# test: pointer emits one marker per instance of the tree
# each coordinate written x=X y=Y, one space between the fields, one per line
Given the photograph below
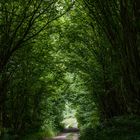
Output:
x=122 y=34
x=21 y=22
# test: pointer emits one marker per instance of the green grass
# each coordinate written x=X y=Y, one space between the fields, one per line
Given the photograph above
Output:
x=39 y=135
x=31 y=136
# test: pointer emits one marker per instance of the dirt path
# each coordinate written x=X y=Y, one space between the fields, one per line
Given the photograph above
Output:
x=73 y=136
x=65 y=136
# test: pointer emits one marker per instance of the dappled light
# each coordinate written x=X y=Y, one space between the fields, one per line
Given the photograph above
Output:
x=69 y=115
x=69 y=69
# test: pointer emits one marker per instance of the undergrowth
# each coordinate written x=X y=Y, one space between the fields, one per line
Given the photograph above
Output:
x=118 y=128
x=34 y=135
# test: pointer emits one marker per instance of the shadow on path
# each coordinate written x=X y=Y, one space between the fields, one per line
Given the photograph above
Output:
x=67 y=134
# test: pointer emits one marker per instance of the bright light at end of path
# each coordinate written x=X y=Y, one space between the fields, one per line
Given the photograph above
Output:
x=70 y=120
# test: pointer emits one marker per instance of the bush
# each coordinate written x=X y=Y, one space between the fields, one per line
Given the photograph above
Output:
x=119 y=128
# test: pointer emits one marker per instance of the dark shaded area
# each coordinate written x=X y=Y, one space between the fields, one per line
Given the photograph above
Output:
x=86 y=52
x=71 y=130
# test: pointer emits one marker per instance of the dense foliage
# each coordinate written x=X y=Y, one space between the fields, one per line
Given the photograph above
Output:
x=85 y=53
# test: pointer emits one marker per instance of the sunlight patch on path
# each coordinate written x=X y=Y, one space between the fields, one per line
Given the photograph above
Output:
x=72 y=136
x=61 y=137
x=65 y=136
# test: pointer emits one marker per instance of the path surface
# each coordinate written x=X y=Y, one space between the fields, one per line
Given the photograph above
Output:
x=67 y=135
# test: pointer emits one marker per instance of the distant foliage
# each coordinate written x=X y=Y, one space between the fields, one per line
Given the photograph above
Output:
x=54 y=52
